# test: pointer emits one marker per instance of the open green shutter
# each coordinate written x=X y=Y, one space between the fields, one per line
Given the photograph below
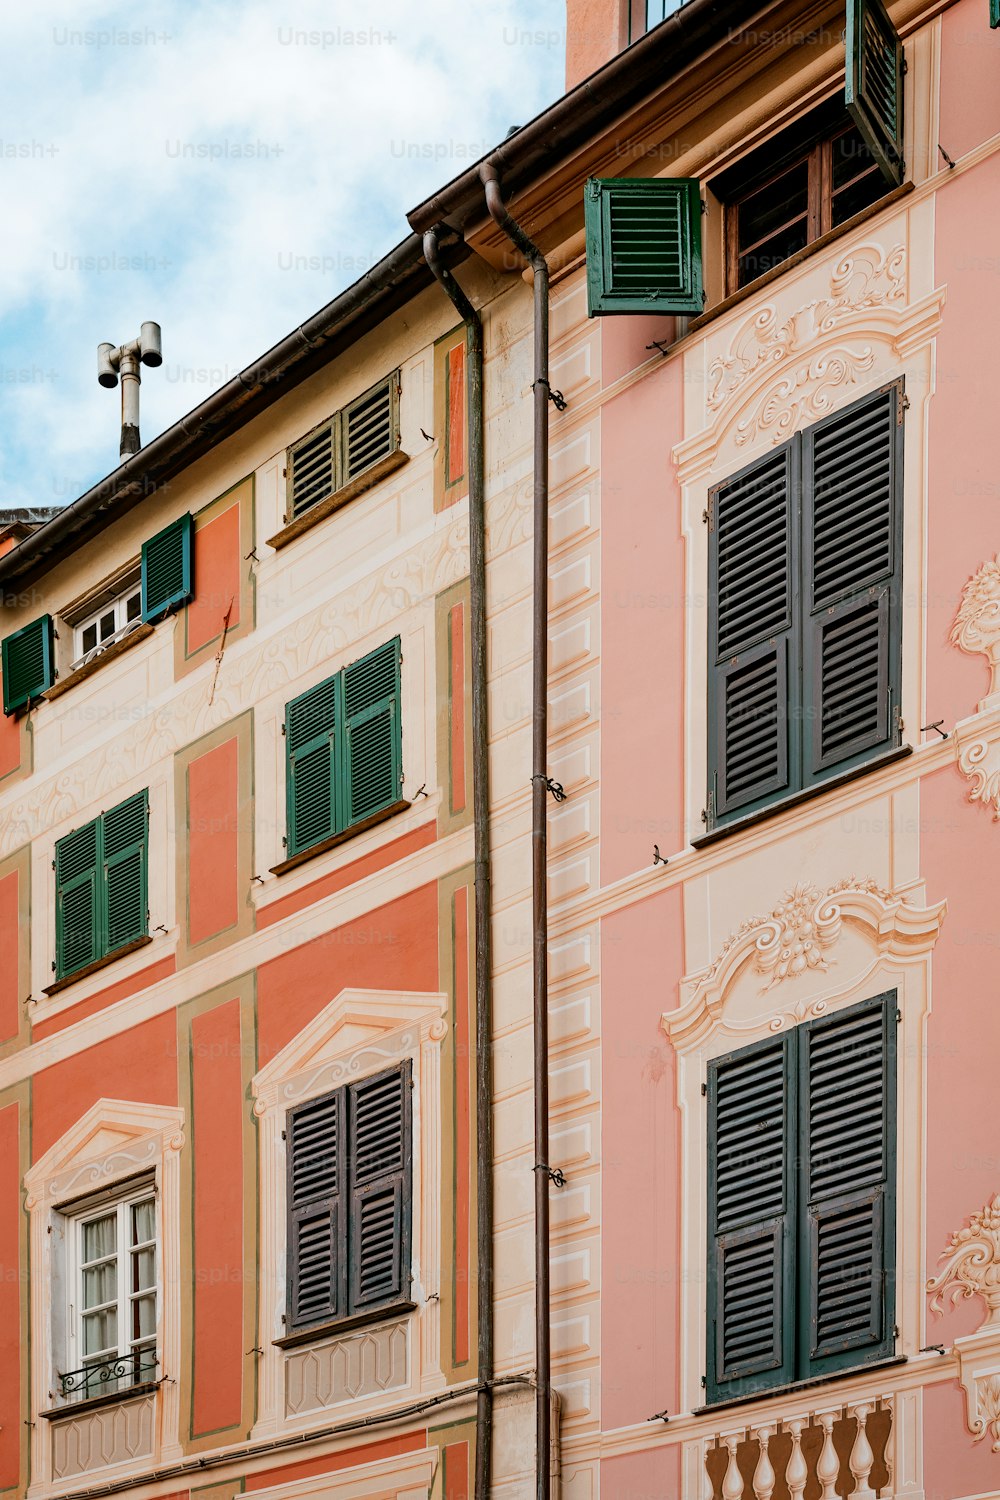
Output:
x=874 y=94
x=852 y=475
x=317 y=1237
x=995 y=12
x=847 y=1215
x=370 y=427
x=27 y=663
x=78 y=935
x=380 y=1167
x=167 y=568
x=753 y=650
x=373 y=749
x=310 y=748
x=123 y=887
x=643 y=245
x=314 y=469
x=751 y=1154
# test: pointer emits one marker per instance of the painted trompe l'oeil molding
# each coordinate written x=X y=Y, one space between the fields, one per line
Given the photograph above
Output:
x=971 y=1268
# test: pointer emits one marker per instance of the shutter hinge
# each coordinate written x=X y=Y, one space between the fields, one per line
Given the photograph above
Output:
x=906 y=65
x=704 y=1381
x=708 y=514
x=53 y=864
x=899 y=1015
x=902 y=404
x=284 y=1135
x=283 y=730
x=704 y=1089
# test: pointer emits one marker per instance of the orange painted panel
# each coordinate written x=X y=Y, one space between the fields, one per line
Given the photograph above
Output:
x=10 y=1298
x=217 y=1096
x=339 y=880
x=463 y=1127
x=115 y=992
x=456 y=627
x=139 y=1064
x=10 y=941
x=216 y=578
x=10 y=744
x=394 y=947
x=456 y=1466
x=333 y=1463
x=213 y=821
x=456 y=414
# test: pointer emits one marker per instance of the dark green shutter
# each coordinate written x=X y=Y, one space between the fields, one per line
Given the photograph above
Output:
x=751 y=1156
x=310 y=751
x=380 y=1168
x=27 y=663
x=314 y=468
x=852 y=466
x=124 y=883
x=995 y=12
x=753 y=650
x=370 y=427
x=847 y=1217
x=317 y=1236
x=78 y=930
x=874 y=94
x=167 y=568
x=373 y=761
x=643 y=245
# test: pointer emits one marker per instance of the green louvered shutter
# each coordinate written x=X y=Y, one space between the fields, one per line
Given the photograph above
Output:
x=373 y=758
x=751 y=1200
x=78 y=934
x=852 y=477
x=27 y=663
x=124 y=872
x=874 y=94
x=314 y=470
x=995 y=12
x=167 y=574
x=643 y=245
x=317 y=1231
x=370 y=427
x=380 y=1168
x=847 y=1087
x=753 y=646
x=310 y=752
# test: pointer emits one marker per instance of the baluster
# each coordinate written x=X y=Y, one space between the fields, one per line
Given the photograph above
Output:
x=828 y=1467
x=764 y=1477
x=797 y=1473
x=862 y=1458
x=732 y=1485
x=887 y=1403
x=706 y=1451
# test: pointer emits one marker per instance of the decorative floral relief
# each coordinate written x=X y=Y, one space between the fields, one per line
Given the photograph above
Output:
x=977 y=623
x=988 y=1417
x=972 y=1264
x=781 y=411
x=792 y=938
x=980 y=762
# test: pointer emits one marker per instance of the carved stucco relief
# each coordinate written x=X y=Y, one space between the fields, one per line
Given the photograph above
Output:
x=976 y=629
x=971 y=1268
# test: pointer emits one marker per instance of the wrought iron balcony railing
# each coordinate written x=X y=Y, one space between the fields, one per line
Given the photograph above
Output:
x=108 y=1377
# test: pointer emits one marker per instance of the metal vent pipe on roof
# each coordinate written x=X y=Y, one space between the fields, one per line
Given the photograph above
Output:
x=112 y=362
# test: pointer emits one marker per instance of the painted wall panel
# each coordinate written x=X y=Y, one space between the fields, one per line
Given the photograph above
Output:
x=970 y=99
x=642 y=1476
x=333 y=1463
x=217 y=579
x=960 y=1466
x=10 y=999
x=338 y=880
x=49 y=1025
x=10 y=745
x=11 y=1331
x=213 y=828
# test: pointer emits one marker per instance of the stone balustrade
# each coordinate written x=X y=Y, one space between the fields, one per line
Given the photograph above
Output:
x=836 y=1450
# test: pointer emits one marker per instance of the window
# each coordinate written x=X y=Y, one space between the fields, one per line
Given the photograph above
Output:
x=347 y=451
x=110 y=621
x=101 y=883
x=801 y=1184
x=27 y=664
x=344 y=750
x=349 y=1178
x=113 y=1296
x=804 y=610
x=167 y=568
x=645 y=14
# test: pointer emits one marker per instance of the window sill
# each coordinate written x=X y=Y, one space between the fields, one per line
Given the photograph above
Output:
x=356 y=486
x=99 y=963
x=63 y=684
x=856 y=1372
x=342 y=1325
x=93 y=1403
x=335 y=839
x=816 y=246
x=727 y=830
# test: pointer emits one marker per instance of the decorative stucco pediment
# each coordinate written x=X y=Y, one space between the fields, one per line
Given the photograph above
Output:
x=114 y=1137
x=791 y=949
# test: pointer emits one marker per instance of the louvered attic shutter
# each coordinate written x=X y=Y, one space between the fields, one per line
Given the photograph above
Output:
x=380 y=1168
x=847 y=1236
x=78 y=938
x=643 y=245
x=167 y=568
x=310 y=751
x=27 y=663
x=314 y=468
x=373 y=768
x=852 y=475
x=751 y=1136
x=874 y=94
x=371 y=427
x=317 y=1236
x=124 y=883
x=753 y=652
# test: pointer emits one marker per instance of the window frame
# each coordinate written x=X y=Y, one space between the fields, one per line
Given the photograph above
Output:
x=124 y=625
x=101 y=905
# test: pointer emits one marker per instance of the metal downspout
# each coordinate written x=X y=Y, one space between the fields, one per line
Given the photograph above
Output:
x=481 y=811
x=539 y=791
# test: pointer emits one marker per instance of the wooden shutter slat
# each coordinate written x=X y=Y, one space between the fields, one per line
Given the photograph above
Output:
x=167 y=568
x=124 y=872
x=310 y=750
x=373 y=760
x=317 y=1251
x=371 y=427
x=313 y=466
x=26 y=663
x=380 y=1163
x=643 y=245
x=874 y=86
x=78 y=941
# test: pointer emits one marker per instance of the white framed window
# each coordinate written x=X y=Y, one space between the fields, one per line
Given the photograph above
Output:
x=117 y=616
x=114 y=1292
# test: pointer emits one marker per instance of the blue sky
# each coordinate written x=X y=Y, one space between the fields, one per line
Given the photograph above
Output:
x=223 y=169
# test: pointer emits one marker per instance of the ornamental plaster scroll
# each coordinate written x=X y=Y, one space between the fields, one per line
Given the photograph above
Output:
x=798 y=938
x=976 y=628
x=977 y=755
x=971 y=1268
x=116 y=1138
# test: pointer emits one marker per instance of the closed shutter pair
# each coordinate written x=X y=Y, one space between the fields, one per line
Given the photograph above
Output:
x=101 y=886
x=801 y=1184
x=644 y=234
x=349 y=1173
x=345 y=447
